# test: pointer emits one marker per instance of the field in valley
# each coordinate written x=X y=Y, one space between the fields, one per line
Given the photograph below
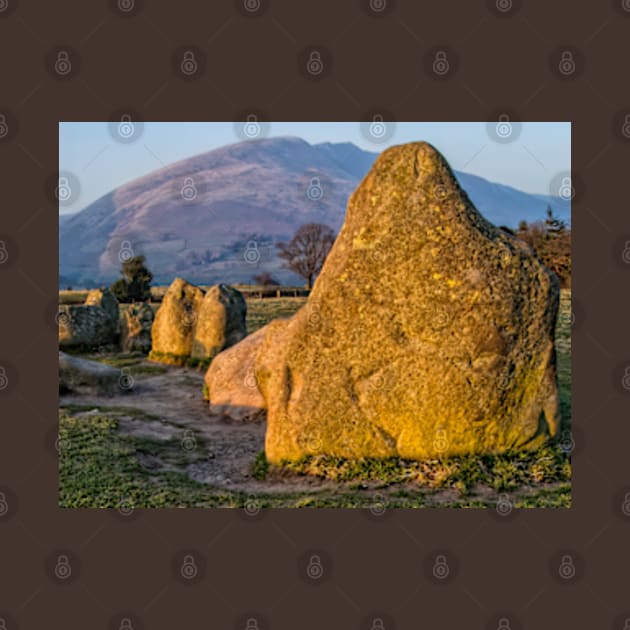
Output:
x=157 y=446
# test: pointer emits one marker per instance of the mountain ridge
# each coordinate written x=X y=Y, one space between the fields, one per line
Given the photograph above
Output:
x=198 y=216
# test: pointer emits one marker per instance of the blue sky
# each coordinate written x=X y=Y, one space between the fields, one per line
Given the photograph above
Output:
x=89 y=152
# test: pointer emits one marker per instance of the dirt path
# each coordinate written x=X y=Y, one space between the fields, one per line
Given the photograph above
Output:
x=169 y=407
x=166 y=412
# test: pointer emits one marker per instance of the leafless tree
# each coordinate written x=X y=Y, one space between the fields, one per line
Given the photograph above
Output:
x=306 y=252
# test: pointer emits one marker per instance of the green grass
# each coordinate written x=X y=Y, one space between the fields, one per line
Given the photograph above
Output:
x=261 y=311
x=102 y=467
x=99 y=467
x=550 y=464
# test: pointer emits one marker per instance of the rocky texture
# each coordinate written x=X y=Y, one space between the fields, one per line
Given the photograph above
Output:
x=88 y=377
x=89 y=325
x=106 y=300
x=85 y=327
x=220 y=322
x=135 y=328
x=429 y=331
x=174 y=326
x=230 y=381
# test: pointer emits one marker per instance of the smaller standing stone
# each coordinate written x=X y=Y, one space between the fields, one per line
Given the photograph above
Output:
x=175 y=322
x=135 y=328
x=105 y=299
x=221 y=322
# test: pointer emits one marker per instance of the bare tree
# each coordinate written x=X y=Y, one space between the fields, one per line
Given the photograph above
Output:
x=306 y=252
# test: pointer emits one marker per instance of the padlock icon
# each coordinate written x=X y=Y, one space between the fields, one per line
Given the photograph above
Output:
x=566 y=569
x=63 y=192
x=4 y=504
x=504 y=5
x=377 y=127
x=440 y=63
x=126 y=5
x=625 y=255
x=252 y=255
x=63 y=570
x=566 y=189
x=4 y=254
x=126 y=251
x=315 y=191
x=626 y=623
x=378 y=624
x=252 y=126
x=625 y=506
x=189 y=191
x=567 y=63
x=126 y=128
x=189 y=568
x=441 y=570
x=315 y=569
x=252 y=506
x=251 y=5
x=379 y=506
x=189 y=443
x=625 y=381
x=189 y=64
x=3 y=621
x=441 y=442
x=63 y=65
x=625 y=128
x=4 y=127
x=315 y=65
x=567 y=444
x=125 y=507
x=504 y=505
x=504 y=624
x=252 y=624
x=125 y=624
x=378 y=5
x=504 y=127
x=125 y=380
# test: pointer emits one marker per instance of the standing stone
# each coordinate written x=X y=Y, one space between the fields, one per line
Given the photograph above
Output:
x=135 y=328
x=429 y=332
x=174 y=326
x=106 y=300
x=221 y=322
x=92 y=324
x=85 y=327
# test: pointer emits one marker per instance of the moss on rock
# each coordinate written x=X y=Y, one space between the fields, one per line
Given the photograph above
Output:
x=428 y=333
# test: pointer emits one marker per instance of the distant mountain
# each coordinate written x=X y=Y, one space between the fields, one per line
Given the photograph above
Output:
x=217 y=216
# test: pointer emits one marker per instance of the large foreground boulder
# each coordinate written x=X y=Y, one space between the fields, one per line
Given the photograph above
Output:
x=230 y=381
x=82 y=376
x=220 y=322
x=429 y=331
x=135 y=328
x=174 y=326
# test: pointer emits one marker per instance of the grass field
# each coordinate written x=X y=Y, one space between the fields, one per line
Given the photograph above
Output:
x=103 y=466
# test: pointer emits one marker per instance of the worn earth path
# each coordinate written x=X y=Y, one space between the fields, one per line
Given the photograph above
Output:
x=166 y=407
